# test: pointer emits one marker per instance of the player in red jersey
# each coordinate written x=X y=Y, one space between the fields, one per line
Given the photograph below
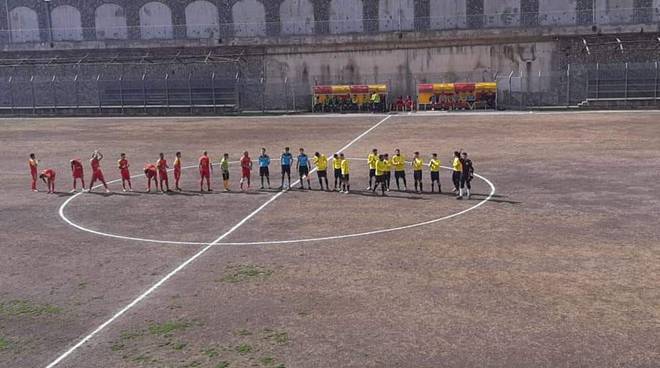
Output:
x=48 y=176
x=161 y=164
x=151 y=173
x=33 y=163
x=177 y=171
x=246 y=167
x=97 y=173
x=77 y=173
x=205 y=170
x=123 y=166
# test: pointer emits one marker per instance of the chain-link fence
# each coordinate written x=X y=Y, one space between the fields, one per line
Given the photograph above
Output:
x=217 y=89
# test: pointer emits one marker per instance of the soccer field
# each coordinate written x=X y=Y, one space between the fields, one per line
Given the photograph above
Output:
x=553 y=262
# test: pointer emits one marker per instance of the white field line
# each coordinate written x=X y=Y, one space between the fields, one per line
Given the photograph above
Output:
x=187 y=262
x=302 y=240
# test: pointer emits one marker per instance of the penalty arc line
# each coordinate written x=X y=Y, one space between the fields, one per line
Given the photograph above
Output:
x=188 y=261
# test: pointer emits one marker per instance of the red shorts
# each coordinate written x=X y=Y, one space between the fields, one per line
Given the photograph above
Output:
x=246 y=172
x=125 y=175
x=162 y=175
x=204 y=173
x=98 y=175
x=77 y=174
x=177 y=173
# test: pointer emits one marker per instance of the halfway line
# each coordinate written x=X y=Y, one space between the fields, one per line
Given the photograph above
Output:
x=188 y=261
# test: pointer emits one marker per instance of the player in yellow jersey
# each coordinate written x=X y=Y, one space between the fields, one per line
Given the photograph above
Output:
x=336 y=165
x=321 y=163
x=345 y=170
x=371 y=160
x=388 y=171
x=380 y=175
x=434 y=165
x=399 y=164
x=457 y=167
x=417 y=165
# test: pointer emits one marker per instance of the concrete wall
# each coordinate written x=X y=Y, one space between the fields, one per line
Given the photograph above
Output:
x=89 y=20
x=447 y=14
x=110 y=20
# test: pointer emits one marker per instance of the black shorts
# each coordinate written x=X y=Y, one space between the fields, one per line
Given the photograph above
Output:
x=322 y=173
x=417 y=174
x=263 y=171
x=435 y=176
x=372 y=173
x=380 y=179
x=338 y=173
x=286 y=169
x=225 y=175
x=344 y=177
x=388 y=175
x=400 y=174
x=303 y=170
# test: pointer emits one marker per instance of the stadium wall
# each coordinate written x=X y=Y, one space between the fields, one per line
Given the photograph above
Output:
x=293 y=44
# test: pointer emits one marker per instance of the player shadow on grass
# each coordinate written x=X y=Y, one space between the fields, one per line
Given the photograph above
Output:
x=495 y=198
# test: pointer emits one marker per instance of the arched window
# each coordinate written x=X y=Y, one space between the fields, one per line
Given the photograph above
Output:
x=155 y=21
x=297 y=17
x=202 y=20
x=395 y=15
x=110 y=21
x=24 y=25
x=249 y=18
x=66 y=23
x=346 y=16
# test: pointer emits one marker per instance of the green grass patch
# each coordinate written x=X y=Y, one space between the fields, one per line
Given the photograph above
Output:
x=241 y=273
x=267 y=361
x=168 y=327
x=4 y=343
x=193 y=364
x=222 y=365
x=130 y=335
x=242 y=332
x=277 y=337
x=244 y=349
x=179 y=346
x=210 y=352
x=27 y=308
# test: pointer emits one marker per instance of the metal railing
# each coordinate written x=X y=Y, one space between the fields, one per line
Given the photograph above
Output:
x=400 y=20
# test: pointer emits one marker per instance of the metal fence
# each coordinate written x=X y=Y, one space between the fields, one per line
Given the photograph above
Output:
x=580 y=83
x=187 y=88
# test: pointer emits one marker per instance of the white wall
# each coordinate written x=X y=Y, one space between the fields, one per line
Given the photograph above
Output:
x=394 y=15
x=614 y=11
x=110 y=20
x=202 y=20
x=447 y=14
x=502 y=13
x=24 y=25
x=155 y=21
x=557 y=12
x=249 y=18
x=297 y=17
x=346 y=16
x=67 y=25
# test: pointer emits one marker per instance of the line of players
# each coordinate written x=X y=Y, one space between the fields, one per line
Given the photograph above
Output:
x=380 y=168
